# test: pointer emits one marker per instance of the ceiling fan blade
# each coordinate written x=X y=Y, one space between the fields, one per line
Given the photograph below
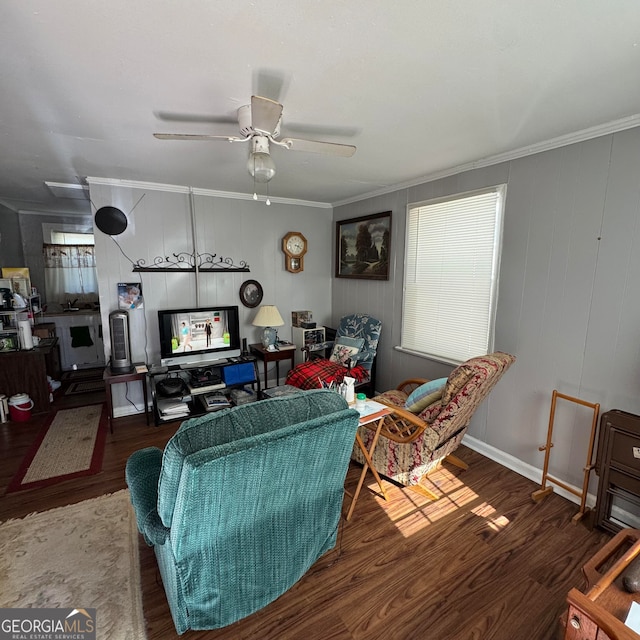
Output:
x=265 y=114
x=195 y=136
x=298 y=128
x=171 y=116
x=314 y=146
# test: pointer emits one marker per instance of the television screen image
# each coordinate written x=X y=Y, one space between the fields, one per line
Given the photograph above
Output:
x=197 y=335
x=200 y=330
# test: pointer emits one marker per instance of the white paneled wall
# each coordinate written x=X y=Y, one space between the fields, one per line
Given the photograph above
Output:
x=569 y=299
x=160 y=225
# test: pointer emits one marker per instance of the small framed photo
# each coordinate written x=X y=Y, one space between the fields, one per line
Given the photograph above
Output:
x=363 y=247
x=251 y=293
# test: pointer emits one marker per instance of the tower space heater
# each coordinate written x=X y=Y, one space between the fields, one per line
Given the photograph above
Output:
x=120 y=342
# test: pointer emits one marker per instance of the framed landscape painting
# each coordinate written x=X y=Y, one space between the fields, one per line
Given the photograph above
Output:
x=363 y=247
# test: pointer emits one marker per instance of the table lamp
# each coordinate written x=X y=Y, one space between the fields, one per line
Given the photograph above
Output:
x=268 y=317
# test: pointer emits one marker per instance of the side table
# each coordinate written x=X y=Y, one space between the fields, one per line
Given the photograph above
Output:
x=284 y=353
x=373 y=418
x=110 y=378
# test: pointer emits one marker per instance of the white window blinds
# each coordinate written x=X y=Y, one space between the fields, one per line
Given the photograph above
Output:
x=451 y=272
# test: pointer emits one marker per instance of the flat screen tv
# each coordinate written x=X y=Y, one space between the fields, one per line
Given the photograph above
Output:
x=199 y=335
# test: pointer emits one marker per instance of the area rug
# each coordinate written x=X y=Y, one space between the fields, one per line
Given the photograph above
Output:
x=90 y=386
x=82 y=556
x=71 y=444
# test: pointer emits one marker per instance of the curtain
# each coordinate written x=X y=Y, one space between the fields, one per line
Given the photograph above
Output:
x=70 y=273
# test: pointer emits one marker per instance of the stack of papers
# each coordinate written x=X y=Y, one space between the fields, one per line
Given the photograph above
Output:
x=371 y=411
x=173 y=407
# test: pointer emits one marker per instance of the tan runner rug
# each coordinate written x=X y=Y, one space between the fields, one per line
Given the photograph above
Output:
x=70 y=445
x=82 y=556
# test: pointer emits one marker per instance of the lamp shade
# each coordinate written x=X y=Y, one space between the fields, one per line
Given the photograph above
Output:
x=268 y=316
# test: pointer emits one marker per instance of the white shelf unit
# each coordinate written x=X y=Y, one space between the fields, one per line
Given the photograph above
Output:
x=305 y=337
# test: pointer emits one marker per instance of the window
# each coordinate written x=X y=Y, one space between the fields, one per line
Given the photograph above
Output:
x=451 y=275
x=65 y=237
x=69 y=261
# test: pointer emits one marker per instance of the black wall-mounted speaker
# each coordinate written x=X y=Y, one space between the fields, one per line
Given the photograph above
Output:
x=120 y=342
x=111 y=220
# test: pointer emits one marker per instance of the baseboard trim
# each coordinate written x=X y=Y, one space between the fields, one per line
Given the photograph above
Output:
x=523 y=468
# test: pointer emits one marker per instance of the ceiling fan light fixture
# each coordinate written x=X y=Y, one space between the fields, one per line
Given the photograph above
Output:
x=260 y=164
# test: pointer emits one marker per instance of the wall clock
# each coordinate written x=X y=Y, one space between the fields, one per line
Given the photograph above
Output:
x=294 y=246
x=251 y=293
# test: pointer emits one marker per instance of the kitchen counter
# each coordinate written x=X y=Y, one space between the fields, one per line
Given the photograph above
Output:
x=64 y=314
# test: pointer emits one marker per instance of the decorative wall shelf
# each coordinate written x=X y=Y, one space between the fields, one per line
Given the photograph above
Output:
x=187 y=262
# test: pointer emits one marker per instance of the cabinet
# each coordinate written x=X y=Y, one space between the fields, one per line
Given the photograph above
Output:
x=26 y=372
x=303 y=338
x=618 y=465
x=180 y=393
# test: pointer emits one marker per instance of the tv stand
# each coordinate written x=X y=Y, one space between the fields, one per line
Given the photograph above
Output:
x=227 y=374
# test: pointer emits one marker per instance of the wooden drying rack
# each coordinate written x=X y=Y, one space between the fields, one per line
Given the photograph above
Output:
x=545 y=490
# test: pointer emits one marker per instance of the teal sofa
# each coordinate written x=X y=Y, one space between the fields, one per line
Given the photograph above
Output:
x=242 y=502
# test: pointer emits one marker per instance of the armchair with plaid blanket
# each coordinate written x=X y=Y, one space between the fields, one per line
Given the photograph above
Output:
x=360 y=365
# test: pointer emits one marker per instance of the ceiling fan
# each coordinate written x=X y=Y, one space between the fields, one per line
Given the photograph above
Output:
x=259 y=124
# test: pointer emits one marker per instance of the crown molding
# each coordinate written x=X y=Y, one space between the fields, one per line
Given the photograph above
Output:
x=174 y=188
x=608 y=128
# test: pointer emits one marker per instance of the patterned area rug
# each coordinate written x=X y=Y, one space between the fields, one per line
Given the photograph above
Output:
x=82 y=556
x=71 y=444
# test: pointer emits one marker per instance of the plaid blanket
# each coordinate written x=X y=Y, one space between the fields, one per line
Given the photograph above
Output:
x=307 y=375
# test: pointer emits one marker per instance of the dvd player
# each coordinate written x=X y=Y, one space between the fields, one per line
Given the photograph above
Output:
x=204 y=389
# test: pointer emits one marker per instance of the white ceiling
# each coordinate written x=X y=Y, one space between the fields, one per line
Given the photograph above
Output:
x=419 y=86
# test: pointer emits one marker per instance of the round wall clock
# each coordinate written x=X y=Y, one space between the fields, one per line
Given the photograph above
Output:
x=294 y=246
x=251 y=293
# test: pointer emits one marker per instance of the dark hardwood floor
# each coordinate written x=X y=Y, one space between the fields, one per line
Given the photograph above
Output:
x=483 y=562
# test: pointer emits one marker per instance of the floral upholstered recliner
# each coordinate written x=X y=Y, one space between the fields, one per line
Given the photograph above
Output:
x=430 y=419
